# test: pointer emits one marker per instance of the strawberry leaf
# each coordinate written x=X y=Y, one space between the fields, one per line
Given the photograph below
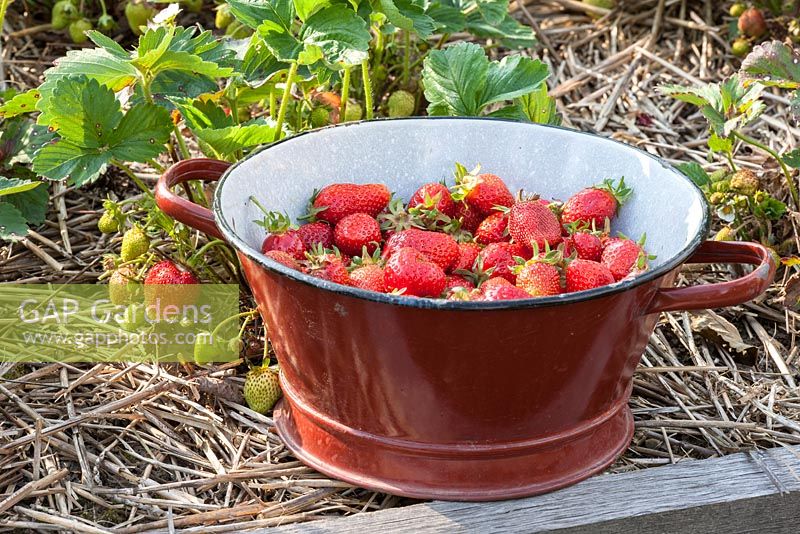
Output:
x=792 y=158
x=31 y=203
x=509 y=30
x=493 y=11
x=695 y=172
x=10 y=186
x=407 y=15
x=95 y=63
x=775 y=64
x=253 y=13
x=93 y=131
x=460 y=80
x=12 y=223
x=20 y=104
x=306 y=8
x=340 y=33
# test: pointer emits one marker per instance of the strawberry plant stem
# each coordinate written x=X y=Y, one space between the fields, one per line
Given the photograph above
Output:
x=345 y=93
x=367 y=87
x=406 y=57
x=287 y=95
x=3 y=7
x=135 y=179
x=789 y=181
x=273 y=102
x=181 y=143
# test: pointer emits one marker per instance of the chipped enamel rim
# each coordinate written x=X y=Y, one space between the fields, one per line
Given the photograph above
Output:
x=443 y=304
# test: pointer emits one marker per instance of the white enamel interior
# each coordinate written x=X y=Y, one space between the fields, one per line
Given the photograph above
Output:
x=406 y=153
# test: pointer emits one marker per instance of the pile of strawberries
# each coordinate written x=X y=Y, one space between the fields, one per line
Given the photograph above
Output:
x=473 y=241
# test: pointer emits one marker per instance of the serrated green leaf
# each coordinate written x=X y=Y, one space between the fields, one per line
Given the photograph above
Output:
x=228 y=140
x=695 y=172
x=82 y=111
x=200 y=115
x=512 y=77
x=510 y=32
x=32 y=204
x=539 y=107
x=108 y=44
x=94 y=63
x=448 y=18
x=774 y=64
x=341 y=35
x=792 y=158
x=11 y=186
x=12 y=223
x=407 y=15
x=141 y=133
x=720 y=144
x=454 y=79
x=460 y=80
x=258 y=64
x=306 y=8
x=175 y=83
x=20 y=104
x=64 y=159
x=493 y=11
x=275 y=27
x=187 y=62
x=253 y=13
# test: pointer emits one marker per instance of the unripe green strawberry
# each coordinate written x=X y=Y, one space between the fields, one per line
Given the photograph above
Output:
x=354 y=112
x=134 y=243
x=719 y=174
x=64 y=12
x=261 y=389
x=401 y=104
x=725 y=234
x=108 y=223
x=123 y=288
x=138 y=13
x=194 y=6
x=737 y=9
x=320 y=117
x=740 y=47
x=223 y=18
x=77 y=30
x=106 y=23
x=132 y=318
x=205 y=351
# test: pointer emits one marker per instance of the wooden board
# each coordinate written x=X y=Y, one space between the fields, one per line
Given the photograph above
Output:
x=756 y=492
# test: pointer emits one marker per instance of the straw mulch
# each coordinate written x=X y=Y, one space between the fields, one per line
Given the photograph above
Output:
x=139 y=449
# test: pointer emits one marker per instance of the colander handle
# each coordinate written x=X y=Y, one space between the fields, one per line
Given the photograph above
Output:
x=181 y=209
x=721 y=294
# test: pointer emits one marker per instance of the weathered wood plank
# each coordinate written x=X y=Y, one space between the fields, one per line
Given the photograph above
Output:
x=754 y=492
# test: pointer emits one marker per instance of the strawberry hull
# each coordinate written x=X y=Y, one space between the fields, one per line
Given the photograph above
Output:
x=461 y=400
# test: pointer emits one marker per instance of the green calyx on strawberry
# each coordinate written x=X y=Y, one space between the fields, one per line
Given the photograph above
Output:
x=336 y=201
x=262 y=389
x=397 y=218
x=433 y=202
x=594 y=205
x=281 y=236
x=482 y=192
x=134 y=243
x=366 y=271
x=63 y=13
x=411 y=272
x=401 y=104
x=328 y=265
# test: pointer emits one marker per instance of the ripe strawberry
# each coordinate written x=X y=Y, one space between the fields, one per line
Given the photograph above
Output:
x=587 y=274
x=316 y=233
x=621 y=256
x=532 y=223
x=504 y=292
x=469 y=218
x=437 y=247
x=123 y=287
x=499 y=257
x=284 y=258
x=586 y=245
x=594 y=205
x=329 y=266
x=166 y=273
x=751 y=23
x=455 y=280
x=411 y=272
x=482 y=192
x=134 y=243
x=356 y=231
x=467 y=254
x=336 y=201
x=493 y=229
x=369 y=276
x=281 y=236
x=539 y=278
x=262 y=389
x=434 y=196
